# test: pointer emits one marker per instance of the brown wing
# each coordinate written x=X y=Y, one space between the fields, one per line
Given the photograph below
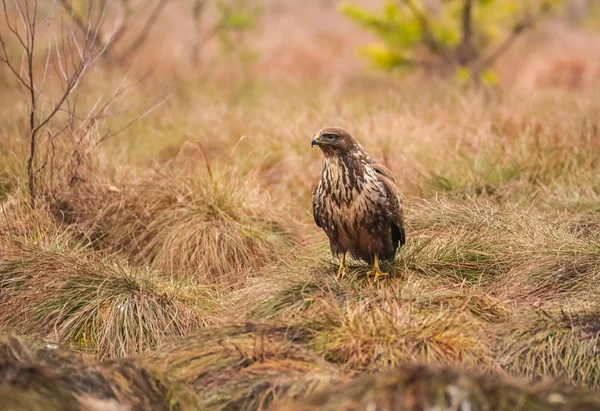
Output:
x=395 y=203
x=316 y=207
x=383 y=171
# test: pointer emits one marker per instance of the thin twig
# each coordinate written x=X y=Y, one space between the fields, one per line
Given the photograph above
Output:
x=141 y=39
x=517 y=30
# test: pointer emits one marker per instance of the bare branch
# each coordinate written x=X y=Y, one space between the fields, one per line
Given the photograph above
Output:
x=141 y=39
x=50 y=13
x=90 y=32
x=521 y=26
x=429 y=37
x=140 y=116
x=23 y=22
x=28 y=16
x=6 y=60
x=45 y=72
x=466 y=52
x=13 y=27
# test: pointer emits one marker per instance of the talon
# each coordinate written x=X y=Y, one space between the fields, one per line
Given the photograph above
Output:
x=379 y=274
x=376 y=271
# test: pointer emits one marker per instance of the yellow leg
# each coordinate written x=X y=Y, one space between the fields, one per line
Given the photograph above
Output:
x=376 y=271
x=342 y=270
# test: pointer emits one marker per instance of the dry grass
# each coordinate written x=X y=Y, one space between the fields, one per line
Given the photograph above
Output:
x=419 y=387
x=36 y=374
x=561 y=344
x=197 y=219
x=365 y=327
x=66 y=292
x=184 y=227
x=487 y=249
x=247 y=366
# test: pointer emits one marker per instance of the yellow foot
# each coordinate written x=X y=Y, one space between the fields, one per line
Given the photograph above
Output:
x=376 y=272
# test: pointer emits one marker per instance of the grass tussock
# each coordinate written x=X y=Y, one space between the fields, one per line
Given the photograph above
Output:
x=375 y=333
x=76 y=297
x=421 y=387
x=519 y=255
x=246 y=367
x=47 y=376
x=364 y=326
x=563 y=345
x=187 y=227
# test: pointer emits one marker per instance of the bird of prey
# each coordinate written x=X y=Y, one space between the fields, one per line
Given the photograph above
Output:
x=356 y=202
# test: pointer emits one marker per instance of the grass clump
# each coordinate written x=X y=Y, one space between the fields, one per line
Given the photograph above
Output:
x=367 y=327
x=245 y=367
x=37 y=374
x=563 y=345
x=378 y=332
x=554 y=277
x=75 y=296
x=187 y=227
x=423 y=387
x=294 y=291
x=521 y=255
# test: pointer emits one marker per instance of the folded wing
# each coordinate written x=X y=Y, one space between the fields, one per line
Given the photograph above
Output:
x=316 y=208
x=395 y=207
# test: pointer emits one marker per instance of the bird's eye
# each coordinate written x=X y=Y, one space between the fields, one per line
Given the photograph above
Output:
x=329 y=137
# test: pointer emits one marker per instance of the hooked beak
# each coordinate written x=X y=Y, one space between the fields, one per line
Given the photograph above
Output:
x=315 y=140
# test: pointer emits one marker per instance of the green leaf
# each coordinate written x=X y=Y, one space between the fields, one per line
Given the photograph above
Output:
x=383 y=58
x=401 y=33
x=239 y=21
x=490 y=77
x=390 y=11
x=462 y=75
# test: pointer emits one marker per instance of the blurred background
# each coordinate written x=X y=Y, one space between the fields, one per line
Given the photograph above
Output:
x=162 y=73
x=551 y=43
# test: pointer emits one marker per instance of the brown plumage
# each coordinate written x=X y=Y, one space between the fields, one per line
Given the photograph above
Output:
x=356 y=202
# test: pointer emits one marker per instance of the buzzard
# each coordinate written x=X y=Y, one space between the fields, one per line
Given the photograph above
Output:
x=356 y=202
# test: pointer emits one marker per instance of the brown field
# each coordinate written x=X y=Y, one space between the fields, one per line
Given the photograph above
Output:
x=181 y=269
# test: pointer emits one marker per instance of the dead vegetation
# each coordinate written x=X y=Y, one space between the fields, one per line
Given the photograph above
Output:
x=65 y=292
x=167 y=263
x=422 y=387
x=246 y=366
x=183 y=269
x=560 y=344
x=36 y=374
x=206 y=228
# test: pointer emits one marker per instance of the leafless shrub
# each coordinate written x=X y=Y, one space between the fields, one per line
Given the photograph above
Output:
x=57 y=121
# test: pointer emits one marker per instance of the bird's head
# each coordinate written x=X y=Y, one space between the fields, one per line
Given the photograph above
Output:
x=334 y=141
